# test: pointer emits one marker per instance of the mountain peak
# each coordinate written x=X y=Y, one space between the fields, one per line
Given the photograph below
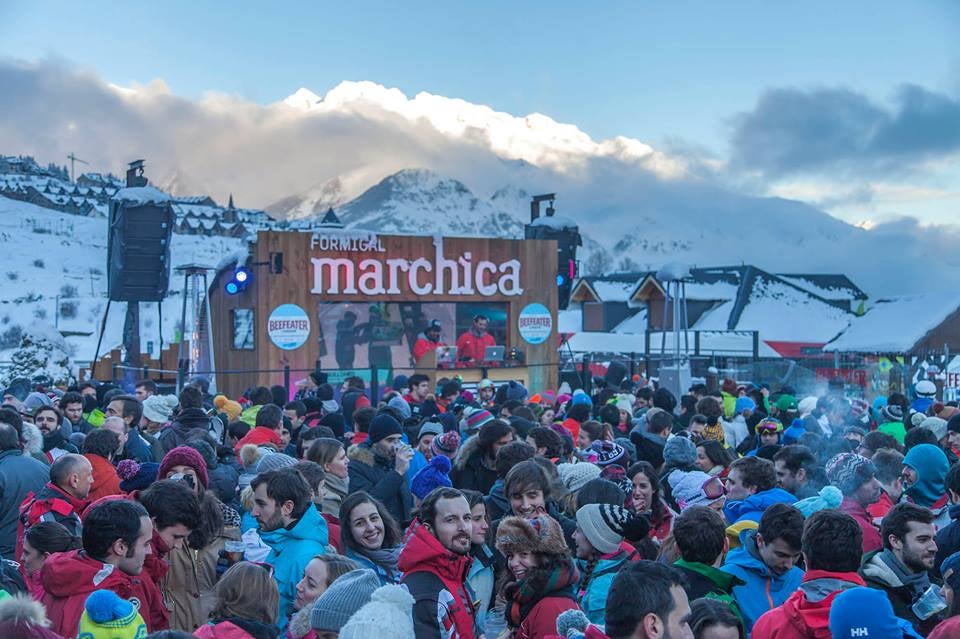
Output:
x=302 y=99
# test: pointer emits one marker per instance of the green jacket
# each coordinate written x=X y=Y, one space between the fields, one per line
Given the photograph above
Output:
x=95 y=417
x=706 y=581
x=249 y=415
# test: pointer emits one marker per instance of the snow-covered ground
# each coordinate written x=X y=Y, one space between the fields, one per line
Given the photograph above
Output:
x=54 y=271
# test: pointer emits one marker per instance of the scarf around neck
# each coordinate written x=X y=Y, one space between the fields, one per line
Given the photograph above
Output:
x=528 y=592
x=916 y=582
x=338 y=485
x=386 y=558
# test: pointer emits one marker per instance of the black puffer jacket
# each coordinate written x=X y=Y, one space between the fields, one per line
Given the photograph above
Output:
x=375 y=475
x=177 y=433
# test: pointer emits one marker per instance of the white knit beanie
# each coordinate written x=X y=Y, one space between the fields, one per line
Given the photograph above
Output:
x=388 y=615
x=574 y=476
x=602 y=524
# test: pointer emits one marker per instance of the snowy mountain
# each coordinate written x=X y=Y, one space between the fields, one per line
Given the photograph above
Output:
x=330 y=194
x=424 y=202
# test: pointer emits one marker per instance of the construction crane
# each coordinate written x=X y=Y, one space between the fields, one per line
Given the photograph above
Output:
x=73 y=158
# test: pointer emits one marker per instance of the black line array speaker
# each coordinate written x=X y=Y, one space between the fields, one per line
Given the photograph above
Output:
x=138 y=250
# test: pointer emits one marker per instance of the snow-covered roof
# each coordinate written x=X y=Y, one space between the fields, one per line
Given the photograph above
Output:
x=636 y=324
x=570 y=320
x=142 y=195
x=614 y=287
x=591 y=342
x=896 y=325
x=829 y=286
x=612 y=291
x=780 y=313
x=555 y=222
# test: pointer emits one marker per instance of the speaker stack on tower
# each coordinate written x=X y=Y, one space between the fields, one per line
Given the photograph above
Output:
x=138 y=246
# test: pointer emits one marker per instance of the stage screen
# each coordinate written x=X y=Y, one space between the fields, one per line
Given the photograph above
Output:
x=361 y=335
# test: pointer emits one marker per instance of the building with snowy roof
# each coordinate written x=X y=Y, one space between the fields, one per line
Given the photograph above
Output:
x=729 y=308
x=910 y=325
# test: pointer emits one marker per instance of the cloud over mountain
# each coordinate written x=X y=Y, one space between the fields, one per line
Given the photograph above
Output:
x=793 y=131
x=307 y=152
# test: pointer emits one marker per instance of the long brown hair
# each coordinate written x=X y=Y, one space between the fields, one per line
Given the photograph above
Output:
x=247 y=591
x=323 y=450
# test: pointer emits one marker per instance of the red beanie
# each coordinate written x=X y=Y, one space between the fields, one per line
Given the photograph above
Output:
x=184 y=456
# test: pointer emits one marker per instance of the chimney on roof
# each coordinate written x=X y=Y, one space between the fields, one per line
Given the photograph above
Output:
x=535 y=205
x=135 y=174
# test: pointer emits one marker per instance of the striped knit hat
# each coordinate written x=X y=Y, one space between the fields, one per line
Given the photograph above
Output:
x=849 y=471
x=474 y=419
x=603 y=525
x=446 y=444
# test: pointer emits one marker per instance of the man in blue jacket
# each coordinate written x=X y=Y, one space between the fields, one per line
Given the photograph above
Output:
x=766 y=562
x=291 y=526
x=751 y=489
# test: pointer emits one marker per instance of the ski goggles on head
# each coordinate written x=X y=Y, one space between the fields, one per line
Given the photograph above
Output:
x=713 y=488
x=769 y=426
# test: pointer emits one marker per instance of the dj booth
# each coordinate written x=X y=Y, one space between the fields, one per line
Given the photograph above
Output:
x=355 y=303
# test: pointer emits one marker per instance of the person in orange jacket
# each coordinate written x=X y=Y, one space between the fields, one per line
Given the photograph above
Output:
x=427 y=341
x=472 y=345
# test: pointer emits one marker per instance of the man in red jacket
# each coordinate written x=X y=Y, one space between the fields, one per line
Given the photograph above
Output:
x=832 y=548
x=472 y=345
x=435 y=562
x=116 y=542
x=856 y=478
x=269 y=423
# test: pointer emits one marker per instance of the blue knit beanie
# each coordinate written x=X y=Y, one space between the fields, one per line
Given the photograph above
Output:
x=863 y=613
x=580 y=397
x=744 y=403
x=433 y=475
x=516 y=390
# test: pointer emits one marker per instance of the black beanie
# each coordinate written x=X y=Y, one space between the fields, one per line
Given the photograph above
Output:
x=383 y=426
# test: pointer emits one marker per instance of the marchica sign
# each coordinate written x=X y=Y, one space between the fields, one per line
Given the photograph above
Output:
x=433 y=275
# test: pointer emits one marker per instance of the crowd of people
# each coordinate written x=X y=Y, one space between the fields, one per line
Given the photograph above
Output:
x=437 y=511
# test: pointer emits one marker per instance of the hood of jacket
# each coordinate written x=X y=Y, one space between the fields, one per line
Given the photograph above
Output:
x=753 y=506
x=56 y=440
x=498 y=496
x=299 y=626
x=876 y=569
x=747 y=556
x=808 y=609
x=363 y=453
x=931 y=466
x=722 y=580
x=746 y=563
x=72 y=573
x=191 y=418
x=469 y=449
x=424 y=552
x=311 y=527
x=234 y=628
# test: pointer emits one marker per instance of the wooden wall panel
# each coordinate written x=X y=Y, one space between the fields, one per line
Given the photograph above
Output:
x=537 y=279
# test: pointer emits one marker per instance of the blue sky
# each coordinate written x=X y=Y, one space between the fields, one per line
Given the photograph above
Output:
x=669 y=73
x=643 y=69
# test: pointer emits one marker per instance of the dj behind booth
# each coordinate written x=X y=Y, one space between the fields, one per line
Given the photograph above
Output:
x=353 y=303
